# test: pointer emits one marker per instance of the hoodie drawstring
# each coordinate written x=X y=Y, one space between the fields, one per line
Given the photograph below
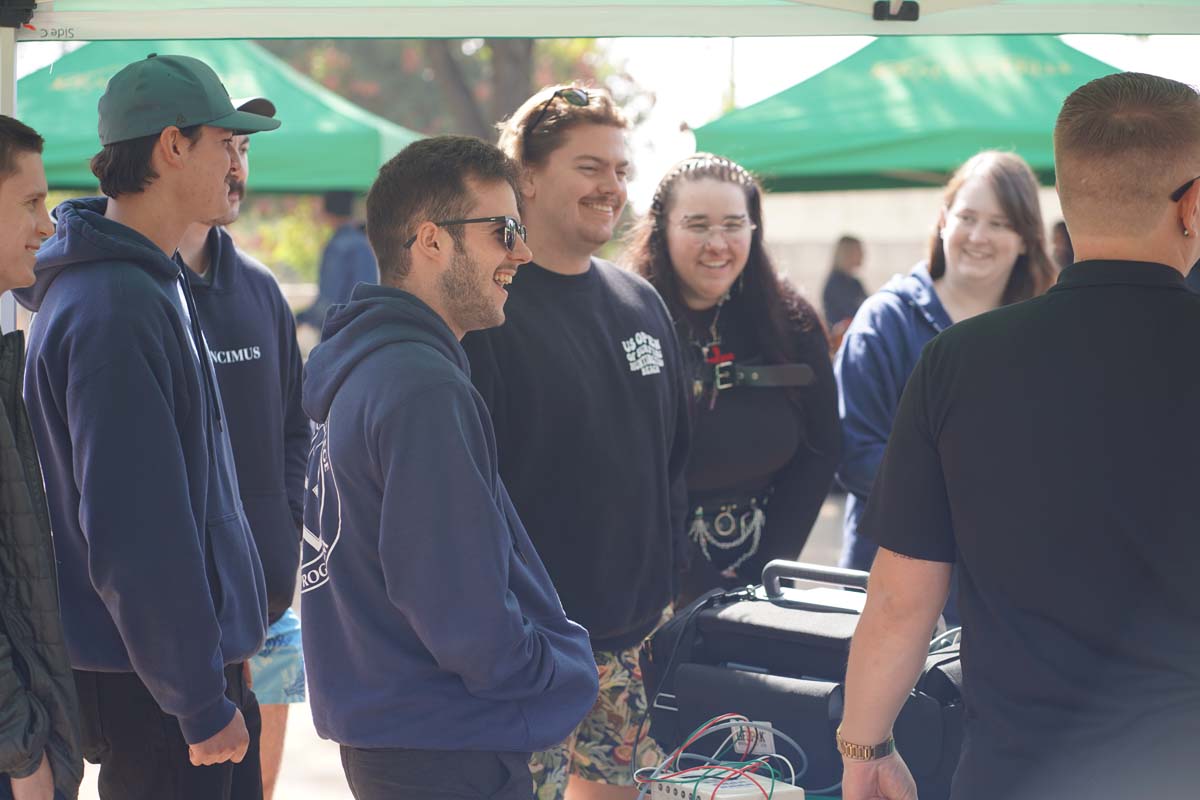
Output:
x=210 y=378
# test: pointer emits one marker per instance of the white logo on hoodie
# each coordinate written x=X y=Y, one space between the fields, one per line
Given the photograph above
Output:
x=322 y=514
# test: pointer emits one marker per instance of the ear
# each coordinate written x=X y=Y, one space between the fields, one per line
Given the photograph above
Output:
x=429 y=243
x=528 y=187
x=171 y=146
x=1189 y=210
x=941 y=223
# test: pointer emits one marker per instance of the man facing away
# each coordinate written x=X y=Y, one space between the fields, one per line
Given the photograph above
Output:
x=1049 y=448
x=586 y=391
x=438 y=653
x=346 y=261
x=252 y=336
x=162 y=590
x=39 y=728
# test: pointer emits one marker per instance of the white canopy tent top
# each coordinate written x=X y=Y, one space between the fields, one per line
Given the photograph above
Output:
x=219 y=19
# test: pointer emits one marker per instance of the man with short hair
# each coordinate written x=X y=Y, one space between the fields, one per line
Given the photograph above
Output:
x=252 y=336
x=162 y=591
x=39 y=731
x=438 y=653
x=346 y=261
x=585 y=386
x=1049 y=450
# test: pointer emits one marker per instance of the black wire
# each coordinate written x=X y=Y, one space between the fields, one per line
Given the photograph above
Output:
x=740 y=594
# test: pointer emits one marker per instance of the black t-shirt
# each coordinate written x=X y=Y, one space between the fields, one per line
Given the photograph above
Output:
x=1050 y=449
x=586 y=391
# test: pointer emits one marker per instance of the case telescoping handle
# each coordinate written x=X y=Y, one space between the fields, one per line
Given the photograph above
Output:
x=782 y=568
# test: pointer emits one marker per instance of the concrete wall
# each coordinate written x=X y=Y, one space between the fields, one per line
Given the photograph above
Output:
x=894 y=224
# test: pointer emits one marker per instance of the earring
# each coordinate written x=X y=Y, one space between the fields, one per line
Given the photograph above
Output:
x=1186 y=233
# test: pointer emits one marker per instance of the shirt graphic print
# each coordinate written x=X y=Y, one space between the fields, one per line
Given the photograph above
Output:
x=644 y=353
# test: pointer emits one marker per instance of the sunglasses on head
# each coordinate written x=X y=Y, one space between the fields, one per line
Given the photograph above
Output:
x=572 y=95
x=512 y=229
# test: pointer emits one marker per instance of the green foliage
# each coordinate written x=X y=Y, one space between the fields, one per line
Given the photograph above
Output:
x=394 y=78
x=286 y=233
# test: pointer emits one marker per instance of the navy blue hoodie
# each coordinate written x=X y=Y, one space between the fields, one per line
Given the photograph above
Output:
x=429 y=620
x=158 y=573
x=878 y=353
x=252 y=336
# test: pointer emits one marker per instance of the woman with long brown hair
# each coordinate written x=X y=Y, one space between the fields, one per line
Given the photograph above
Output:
x=765 y=432
x=988 y=249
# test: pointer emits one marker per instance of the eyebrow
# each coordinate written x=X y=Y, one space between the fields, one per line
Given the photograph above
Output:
x=687 y=217
x=601 y=161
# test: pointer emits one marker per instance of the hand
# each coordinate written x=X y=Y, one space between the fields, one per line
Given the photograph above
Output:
x=38 y=786
x=883 y=779
x=229 y=744
x=247 y=675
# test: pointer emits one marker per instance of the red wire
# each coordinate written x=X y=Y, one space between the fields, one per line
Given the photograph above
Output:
x=742 y=773
x=700 y=734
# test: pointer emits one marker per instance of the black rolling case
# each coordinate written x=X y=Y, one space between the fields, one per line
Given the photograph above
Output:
x=778 y=655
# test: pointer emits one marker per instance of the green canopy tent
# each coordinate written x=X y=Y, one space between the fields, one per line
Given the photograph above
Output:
x=905 y=111
x=326 y=142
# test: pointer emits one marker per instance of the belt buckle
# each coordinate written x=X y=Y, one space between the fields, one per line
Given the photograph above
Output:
x=723 y=375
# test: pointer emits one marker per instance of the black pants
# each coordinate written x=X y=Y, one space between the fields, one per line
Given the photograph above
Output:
x=141 y=750
x=436 y=774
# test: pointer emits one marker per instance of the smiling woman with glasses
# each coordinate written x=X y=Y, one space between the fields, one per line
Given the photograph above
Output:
x=764 y=406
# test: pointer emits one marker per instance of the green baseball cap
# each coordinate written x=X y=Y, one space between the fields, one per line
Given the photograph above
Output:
x=157 y=92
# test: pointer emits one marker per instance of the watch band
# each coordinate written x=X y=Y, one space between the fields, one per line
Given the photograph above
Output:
x=864 y=752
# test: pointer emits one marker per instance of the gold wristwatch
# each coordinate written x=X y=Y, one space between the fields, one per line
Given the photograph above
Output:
x=864 y=752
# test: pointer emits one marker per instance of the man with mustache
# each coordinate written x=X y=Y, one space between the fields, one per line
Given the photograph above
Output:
x=585 y=388
x=252 y=335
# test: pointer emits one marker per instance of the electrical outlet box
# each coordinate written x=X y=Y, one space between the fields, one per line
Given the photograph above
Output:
x=746 y=787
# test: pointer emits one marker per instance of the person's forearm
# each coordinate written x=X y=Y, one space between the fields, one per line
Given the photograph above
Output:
x=889 y=648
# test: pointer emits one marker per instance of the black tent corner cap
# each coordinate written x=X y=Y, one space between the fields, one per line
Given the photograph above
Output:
x=15 y=13
x=910 y=11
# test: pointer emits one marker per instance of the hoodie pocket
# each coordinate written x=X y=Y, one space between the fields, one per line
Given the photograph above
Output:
x=239 y=595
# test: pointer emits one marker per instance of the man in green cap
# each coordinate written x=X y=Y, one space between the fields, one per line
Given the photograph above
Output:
x=162 y=590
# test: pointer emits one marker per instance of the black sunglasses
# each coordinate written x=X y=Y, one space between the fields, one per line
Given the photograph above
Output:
x=1178 y=194
x=573 y=95
x=512 y=229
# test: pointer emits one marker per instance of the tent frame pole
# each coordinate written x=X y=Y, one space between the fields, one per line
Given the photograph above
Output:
x=8 y=107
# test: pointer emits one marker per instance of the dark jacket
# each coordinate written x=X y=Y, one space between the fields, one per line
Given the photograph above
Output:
x=346 y=262
x=252 y=336
x=37 y=693
x=877 y=355
x=842 y=296
x=158 y=573
x=423 y=597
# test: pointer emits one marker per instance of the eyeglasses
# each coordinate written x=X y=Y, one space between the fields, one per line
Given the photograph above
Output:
x=730 y=229
x=512 y=229
x=1178 y=194
x=573 y=95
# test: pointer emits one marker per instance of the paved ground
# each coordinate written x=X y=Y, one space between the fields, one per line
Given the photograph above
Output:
x=312 y=767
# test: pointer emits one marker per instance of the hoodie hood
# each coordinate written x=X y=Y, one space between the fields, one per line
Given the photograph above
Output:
x=916 y=291
x=84 y=235
x=222 y=264
x=375 y=317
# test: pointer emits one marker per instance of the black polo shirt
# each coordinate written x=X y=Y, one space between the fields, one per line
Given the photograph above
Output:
x=1051 y=449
